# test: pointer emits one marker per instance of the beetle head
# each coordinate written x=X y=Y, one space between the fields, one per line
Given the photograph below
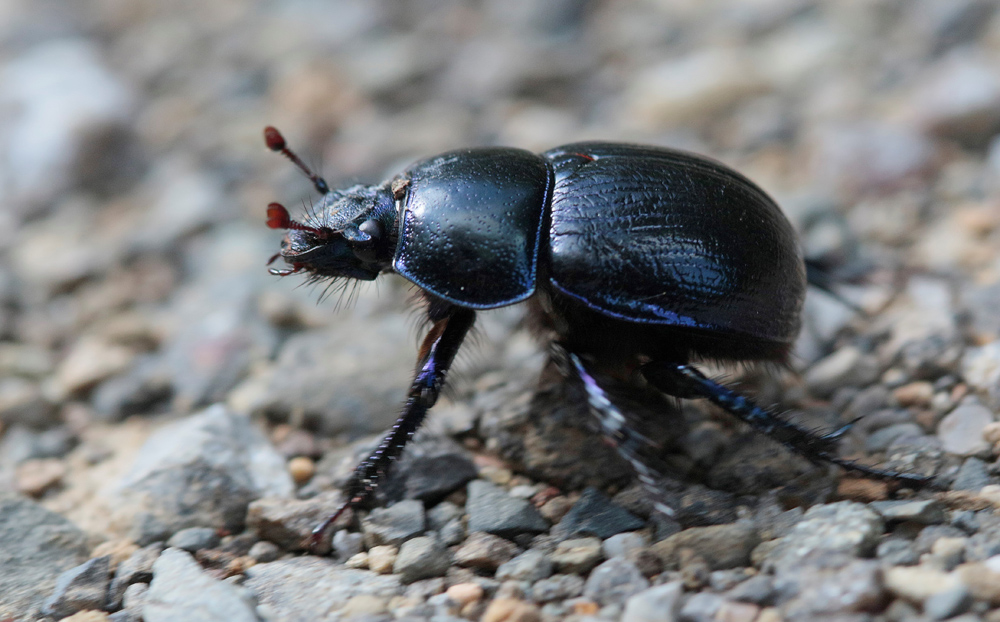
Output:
x=347 y=234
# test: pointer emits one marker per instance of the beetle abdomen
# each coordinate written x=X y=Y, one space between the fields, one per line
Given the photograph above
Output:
x=658 y=236
x=471 y=225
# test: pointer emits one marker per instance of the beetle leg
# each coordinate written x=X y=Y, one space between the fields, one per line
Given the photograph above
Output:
x=626 y=439
x=436 y=355
x=685 y=381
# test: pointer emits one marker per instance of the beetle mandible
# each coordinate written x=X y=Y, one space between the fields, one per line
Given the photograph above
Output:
x=636 y=258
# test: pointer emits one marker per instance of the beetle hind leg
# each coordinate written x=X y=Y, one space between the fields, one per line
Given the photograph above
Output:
x=685 y=381
x=624 y=436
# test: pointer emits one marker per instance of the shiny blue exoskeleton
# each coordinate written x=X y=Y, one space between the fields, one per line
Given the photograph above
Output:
x=631 y=257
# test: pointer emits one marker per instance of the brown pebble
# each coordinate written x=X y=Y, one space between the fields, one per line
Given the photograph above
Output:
x=239 y=565
x=34 y=477
x=586 y=608
x=991 y=433
x=465 y=593
x=511 y=610
x=556 y=508
x=863 y=490
x=301 y=468
x=90 y=615
x=382 y=558
x=914 y=394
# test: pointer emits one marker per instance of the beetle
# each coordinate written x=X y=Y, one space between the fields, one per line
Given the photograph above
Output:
x=635 y=257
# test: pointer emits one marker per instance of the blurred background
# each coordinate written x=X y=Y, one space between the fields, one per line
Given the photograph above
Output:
x=133 y=182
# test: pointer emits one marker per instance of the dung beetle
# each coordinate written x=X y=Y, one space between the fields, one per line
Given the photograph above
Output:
x=636 y=258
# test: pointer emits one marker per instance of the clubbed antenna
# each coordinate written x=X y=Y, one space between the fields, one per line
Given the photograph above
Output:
x=278 y=218
x=276 y=142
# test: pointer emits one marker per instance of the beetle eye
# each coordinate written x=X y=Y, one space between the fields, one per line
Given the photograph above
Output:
x=371 y=227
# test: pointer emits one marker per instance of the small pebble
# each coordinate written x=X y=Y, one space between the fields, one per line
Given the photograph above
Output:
x=963 y=430
x=301 y=468
x=359 y=561
x=264 y=551
x=421 y=558
x=194 y=539
x=465 y=593
x=511 y=610
x=577 y=556
x=381 y=558
x=659 y=602
x=918 y=583
x=531 y=566
x=614 y=582
x=484 y=551
x=948 y=604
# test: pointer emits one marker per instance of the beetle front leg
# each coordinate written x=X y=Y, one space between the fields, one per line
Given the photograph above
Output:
x=436 y=355
x=616 y=428
x=685 y=381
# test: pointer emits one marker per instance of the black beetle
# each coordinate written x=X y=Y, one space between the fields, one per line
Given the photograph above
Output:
x=635 y=258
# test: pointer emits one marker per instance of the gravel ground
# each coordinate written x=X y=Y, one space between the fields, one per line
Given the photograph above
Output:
x=173 y=420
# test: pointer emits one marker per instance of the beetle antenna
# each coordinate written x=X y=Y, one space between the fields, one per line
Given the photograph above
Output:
x=278 y=218
x=276 y=142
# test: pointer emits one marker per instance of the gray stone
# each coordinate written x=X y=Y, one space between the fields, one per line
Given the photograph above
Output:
x=842 y=527
x=395 y=524
x=834 y=585
x=83 y=587
x=135 y=597
x=452 y=533
x=758 y=590
x=442 y=514
x=623 y=544
x=492 y=510
x=144 y=386
x=947 y=604
x=430 y=471
x=531 y=566
x=961 y=430
x=656 y=604
x=972 y=475
x=194 y=539
x=721 y=546
x=701 y=607
x=347 y=544
x=484 y=551
x=202 y=471
x=36 y=546
x=217 y=333
x=595 y=514
x=371 y=376
x=289 y=522
x=557 y=587
x=278 y=587
x=264 y=551
x=614 y=582
x=847 y=366
x=421 y=558
x=897 y=552
x=883 y=438
x=925 y=512
x=180 y=590
x=138 y=568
